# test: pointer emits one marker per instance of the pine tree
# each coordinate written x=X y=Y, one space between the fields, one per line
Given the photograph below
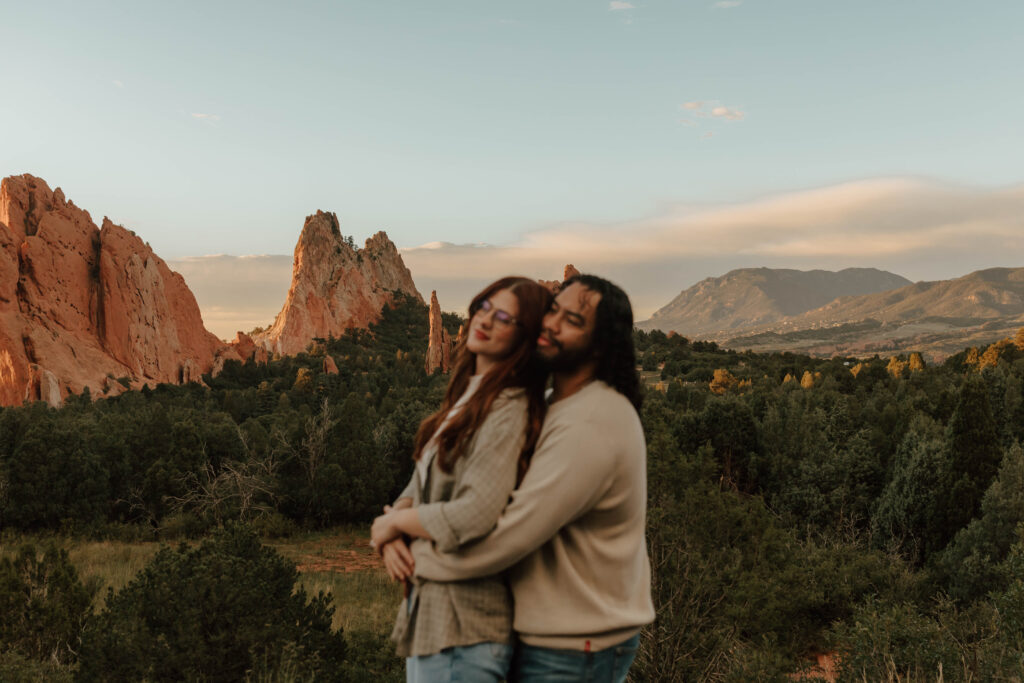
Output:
x=974 y=447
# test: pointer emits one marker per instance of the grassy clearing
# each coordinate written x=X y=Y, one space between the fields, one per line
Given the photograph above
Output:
x=338 y=561
x=363 y=601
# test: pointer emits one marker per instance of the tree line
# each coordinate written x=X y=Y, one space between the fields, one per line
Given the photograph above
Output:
x=866 y=507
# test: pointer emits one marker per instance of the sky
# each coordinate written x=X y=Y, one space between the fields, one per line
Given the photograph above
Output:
x=655 y=142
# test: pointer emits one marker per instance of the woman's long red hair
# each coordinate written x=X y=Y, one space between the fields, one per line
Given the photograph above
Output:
x=519 y=369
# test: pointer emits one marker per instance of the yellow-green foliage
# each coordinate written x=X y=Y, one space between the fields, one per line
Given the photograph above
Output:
x=722 y=381
x=303 y=380
x=916 y=362
x=896 y=366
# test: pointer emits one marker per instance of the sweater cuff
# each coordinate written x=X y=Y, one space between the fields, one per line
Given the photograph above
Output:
x=433 y=520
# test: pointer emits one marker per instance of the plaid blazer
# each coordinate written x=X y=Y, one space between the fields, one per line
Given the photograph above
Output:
x=457 y=508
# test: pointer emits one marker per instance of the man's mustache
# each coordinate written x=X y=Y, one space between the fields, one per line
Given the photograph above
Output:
x=552 y=341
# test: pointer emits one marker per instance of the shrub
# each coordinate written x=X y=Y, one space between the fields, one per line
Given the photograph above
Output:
x=220 y=612
x=887 y=641
x=43 y=605
x=16 y=668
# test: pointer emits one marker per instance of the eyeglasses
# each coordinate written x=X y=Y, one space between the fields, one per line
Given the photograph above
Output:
x=500 y=316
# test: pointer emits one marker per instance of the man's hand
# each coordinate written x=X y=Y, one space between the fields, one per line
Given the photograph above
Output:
x=397 y=559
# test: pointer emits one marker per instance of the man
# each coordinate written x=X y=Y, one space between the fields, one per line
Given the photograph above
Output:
x=573 y=532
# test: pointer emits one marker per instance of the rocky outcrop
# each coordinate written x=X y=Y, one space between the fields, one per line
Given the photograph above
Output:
x=439 y=345
x=335 y=286
x=330 y=367
x=43 y=386
x=243 y=349
x=82 y=304
x=555 y=286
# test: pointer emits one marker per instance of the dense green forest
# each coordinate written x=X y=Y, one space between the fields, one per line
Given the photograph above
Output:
x=870 y=508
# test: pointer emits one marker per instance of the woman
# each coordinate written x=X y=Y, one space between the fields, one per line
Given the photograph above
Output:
x=469 y=456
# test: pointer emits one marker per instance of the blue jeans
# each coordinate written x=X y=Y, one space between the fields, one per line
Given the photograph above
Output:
x=466 y=664
x=548 y=665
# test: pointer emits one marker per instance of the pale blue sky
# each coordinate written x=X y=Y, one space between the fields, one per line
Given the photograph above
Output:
x=482 y=121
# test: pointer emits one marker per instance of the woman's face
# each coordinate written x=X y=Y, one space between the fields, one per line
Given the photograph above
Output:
x=493 y=331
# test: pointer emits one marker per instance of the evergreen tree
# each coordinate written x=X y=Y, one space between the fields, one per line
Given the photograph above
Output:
x=975 y=453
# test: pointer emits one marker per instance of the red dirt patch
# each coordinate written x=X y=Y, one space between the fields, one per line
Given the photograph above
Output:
x=339 y=552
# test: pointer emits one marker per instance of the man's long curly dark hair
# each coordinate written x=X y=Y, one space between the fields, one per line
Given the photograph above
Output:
x=612 y=340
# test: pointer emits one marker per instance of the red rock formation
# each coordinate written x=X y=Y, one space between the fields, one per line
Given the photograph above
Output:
x=242 y=349
x=43 y=386
x=551 y=285
x=439 y=345
x=335 y=286
x=554 y=286
x=83 y=304
x=330 y=367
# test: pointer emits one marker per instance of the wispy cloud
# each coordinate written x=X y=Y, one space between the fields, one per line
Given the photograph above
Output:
x=617 y=5
x=729 y=113
x=699 y=110
x=207 y=117
x=727 y=4
x=917 y=228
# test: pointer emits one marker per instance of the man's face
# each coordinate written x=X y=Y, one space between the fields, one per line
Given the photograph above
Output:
x=568 y=328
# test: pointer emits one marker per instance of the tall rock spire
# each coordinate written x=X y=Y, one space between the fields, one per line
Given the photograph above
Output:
x=335 y=286
x=439 y=346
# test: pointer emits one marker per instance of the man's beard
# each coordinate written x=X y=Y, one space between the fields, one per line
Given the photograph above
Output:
x=567 y=361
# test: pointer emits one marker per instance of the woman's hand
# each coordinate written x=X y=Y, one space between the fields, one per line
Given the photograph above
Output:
x=397 y=559
x=384 y=529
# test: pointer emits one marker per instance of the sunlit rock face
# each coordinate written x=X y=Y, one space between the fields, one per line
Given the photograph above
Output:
x=335 y=286
x=555 y=286
x=439 y=344
x=84 y=304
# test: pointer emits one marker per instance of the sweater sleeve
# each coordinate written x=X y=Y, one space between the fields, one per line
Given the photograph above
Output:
x=410 y=489
x=568 y=475
x=487 y=477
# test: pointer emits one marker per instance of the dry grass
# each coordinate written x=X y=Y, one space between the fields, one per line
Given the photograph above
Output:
x=338 y=561
x=363 y=601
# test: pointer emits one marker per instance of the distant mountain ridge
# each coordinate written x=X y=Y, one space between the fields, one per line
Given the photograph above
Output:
x=984 y=294
x=938 y=318
x=750 y=297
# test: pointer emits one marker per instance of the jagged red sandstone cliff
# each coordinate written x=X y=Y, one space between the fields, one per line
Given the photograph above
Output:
x=80 y=305
x=335 y=286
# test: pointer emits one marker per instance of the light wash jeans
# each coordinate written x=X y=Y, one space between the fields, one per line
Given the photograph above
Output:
x=482 y=662
x=547 y=665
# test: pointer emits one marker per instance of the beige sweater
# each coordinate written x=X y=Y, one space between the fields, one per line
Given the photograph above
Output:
x=575 y=526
